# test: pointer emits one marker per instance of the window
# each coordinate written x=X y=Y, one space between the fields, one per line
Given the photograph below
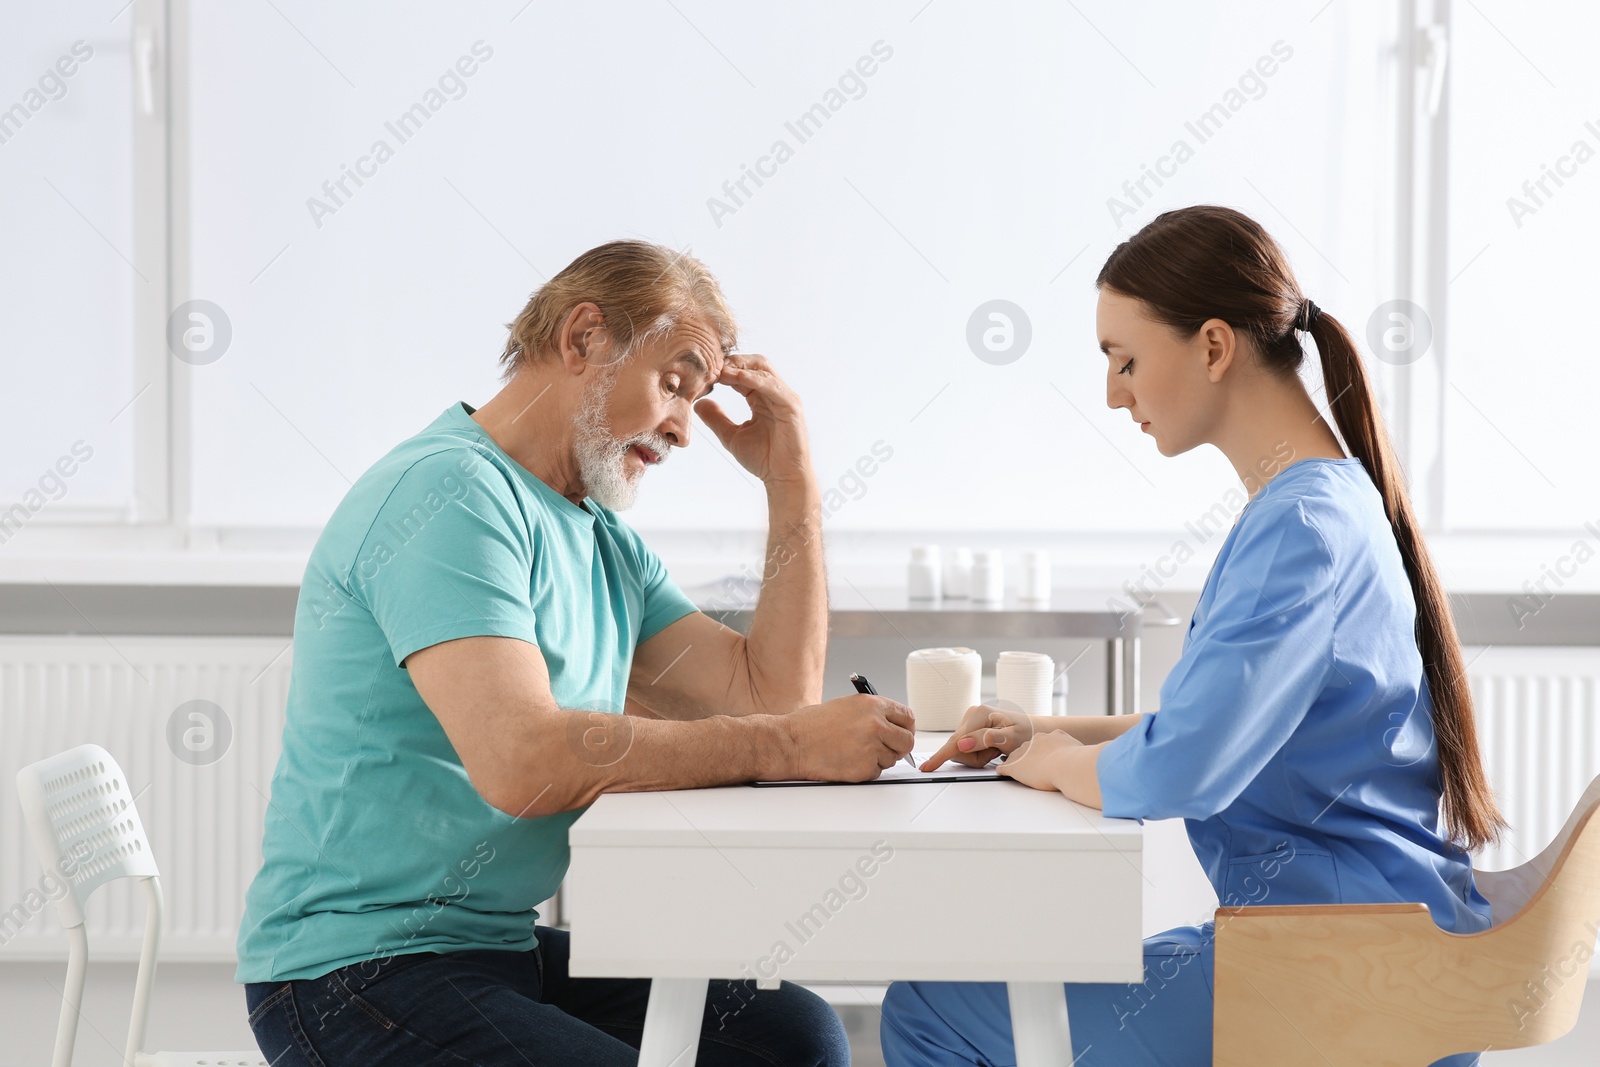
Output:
x=908 y=209
x=1524 y=217
x=73 y=269
x=865 y=182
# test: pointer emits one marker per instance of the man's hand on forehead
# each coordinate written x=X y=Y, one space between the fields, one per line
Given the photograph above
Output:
x=771 y=443
x=740 y=368
x=752 y=377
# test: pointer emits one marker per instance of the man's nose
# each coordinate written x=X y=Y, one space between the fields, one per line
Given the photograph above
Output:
x=676 y=430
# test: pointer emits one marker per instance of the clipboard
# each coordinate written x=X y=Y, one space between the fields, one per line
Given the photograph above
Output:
x=900 y=774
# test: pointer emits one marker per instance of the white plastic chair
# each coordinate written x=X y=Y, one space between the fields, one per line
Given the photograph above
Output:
x=87 y=831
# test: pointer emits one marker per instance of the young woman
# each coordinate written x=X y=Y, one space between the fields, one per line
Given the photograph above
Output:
x=1317 y=732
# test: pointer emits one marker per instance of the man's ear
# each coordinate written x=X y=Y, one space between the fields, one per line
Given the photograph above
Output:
x=1220 y=346
x=584 y=339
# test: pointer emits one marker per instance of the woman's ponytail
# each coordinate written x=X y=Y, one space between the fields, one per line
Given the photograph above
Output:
x=1470 y=812
x=1205 y=262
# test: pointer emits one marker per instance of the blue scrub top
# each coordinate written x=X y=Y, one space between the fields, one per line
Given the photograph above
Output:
x=1295 y=733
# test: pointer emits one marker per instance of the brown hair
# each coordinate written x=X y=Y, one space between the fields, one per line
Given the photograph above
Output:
x=1206 y=262
x=643 y=291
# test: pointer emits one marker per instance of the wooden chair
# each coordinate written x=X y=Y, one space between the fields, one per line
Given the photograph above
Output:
x=1380 y=985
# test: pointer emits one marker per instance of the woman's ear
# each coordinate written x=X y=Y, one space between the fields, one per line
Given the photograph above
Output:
x=1219 y=345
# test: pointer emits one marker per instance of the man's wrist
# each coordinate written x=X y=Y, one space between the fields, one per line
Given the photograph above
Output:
x=798 y=477
x=794 y=512
x=776 y=747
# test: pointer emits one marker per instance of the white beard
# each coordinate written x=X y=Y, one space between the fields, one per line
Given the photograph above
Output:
x=602 y=459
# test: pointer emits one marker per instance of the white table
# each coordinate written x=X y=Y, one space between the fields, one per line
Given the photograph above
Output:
x=863 y=883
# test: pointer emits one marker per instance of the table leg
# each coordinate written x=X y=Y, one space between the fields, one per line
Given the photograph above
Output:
x=1039 y=1028
x=1114 y=675
x=672 y=1022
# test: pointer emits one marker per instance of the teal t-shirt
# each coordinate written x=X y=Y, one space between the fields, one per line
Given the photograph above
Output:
x=376 y=842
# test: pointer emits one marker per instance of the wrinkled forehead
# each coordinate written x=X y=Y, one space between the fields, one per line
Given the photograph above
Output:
x=696 y=343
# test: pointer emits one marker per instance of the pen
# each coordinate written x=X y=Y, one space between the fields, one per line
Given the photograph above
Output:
x=864 y=686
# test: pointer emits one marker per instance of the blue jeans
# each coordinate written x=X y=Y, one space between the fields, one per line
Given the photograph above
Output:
x=485 y=1008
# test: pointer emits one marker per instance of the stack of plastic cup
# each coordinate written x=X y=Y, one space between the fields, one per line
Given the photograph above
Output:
x=1022 y=681
x=941 y=684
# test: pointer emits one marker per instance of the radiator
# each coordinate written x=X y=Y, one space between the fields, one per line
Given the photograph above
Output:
x=203 y=813
x=1538 y=720
x=1538 y=715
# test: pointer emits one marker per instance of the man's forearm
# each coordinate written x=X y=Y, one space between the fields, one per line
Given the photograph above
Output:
x=719 y=750
x=787 y=644
x=585 y=754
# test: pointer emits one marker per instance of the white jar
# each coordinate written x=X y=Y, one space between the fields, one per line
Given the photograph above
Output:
x=922 y=574
x=988 y=577
x=958 y=574
x=1035 y=576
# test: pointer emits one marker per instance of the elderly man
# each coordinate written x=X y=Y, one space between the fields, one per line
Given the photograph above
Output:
x=473 y=623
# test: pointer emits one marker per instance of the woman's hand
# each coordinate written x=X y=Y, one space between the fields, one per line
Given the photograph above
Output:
x=1036 y=762
x=984 y=733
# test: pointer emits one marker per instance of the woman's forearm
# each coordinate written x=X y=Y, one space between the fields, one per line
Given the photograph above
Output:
x=1076 y=773
x=1090 y=729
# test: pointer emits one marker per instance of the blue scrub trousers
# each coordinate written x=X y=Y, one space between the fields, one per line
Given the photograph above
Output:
x=1164 y=1022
